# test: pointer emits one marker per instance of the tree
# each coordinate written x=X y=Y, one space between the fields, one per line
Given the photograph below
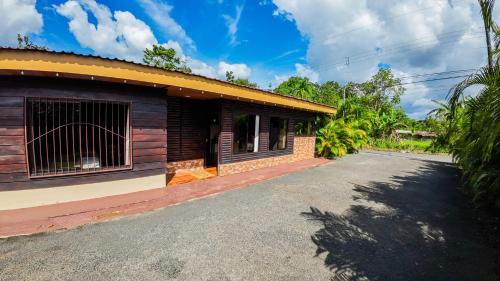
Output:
x=383 y=89
x=239 y=81
x=336 y=138
x=328 y=93
x=299 y=87
x=164 y=58
x=24 y=42
x=476 y=142
x=230 y=76
x=486 y=13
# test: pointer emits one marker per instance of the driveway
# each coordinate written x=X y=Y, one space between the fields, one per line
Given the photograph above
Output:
x=370 y=216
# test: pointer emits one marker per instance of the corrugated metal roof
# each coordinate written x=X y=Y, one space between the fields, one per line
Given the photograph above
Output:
x=157 y=68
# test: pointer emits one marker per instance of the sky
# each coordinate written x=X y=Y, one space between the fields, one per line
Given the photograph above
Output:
x=268 y=41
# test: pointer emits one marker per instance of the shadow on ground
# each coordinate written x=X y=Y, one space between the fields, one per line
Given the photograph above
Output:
x=413 y=227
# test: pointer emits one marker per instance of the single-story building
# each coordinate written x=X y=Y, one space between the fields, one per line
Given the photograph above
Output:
x=76 y=127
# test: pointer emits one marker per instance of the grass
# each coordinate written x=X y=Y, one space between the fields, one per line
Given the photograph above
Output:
x=418 y=146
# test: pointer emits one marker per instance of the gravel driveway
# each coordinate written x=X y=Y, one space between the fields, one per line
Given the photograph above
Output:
x=370 y=216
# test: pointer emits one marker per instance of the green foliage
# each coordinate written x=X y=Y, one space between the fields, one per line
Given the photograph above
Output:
x=370 y=111
x=336 y=138
x=474 y=134
x=329 y=93
x=24 y=42
x=239 y=81
x=472 y=130
x=229 y=76
x=413 y=145
x=165 y=58
x=299 y=87
x=383 y=89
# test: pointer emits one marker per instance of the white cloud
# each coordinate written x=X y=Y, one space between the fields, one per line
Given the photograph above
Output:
x=232 y=25
x=413 y=37
x=239 y=70
x=160 y=13
x=122 y=35
x=202 y=68
x=306 y=71
x=301 y=70
x=119 y=34
x=18 y=16
x=278 y=79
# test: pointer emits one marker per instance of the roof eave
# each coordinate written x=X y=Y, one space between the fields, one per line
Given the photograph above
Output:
x=89 y=67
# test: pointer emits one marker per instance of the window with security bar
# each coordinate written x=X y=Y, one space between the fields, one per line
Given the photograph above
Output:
x=72 y=136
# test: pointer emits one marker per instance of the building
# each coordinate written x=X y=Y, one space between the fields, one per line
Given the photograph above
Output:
x=78 y=127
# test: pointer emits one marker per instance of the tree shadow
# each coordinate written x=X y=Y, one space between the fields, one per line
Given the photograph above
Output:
x=414 y=227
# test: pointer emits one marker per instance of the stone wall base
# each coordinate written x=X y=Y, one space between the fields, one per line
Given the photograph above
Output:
x=303 y=148
x=192 y=164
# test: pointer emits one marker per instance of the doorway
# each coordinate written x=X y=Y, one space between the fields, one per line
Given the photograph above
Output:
x=212 y=140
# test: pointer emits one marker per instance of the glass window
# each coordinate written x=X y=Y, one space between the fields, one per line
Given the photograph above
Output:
x=304 y=128
x=278 y=129
x=245 y=133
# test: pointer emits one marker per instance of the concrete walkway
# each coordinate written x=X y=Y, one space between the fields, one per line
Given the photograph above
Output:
x=370 y=216
x=72 y=214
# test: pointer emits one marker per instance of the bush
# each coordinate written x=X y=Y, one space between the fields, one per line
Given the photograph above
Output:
x=407 y=145
x=336 y=138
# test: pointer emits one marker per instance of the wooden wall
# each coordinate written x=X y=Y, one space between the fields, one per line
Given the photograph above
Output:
x=187 y=128
x=148 y=121
x=229 y=108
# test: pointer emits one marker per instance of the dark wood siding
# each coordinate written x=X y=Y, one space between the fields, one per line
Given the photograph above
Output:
x=229 y=108
x=187 y=128
x=148 y=125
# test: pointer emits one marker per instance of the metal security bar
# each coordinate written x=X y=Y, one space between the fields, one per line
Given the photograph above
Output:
x=72 y=136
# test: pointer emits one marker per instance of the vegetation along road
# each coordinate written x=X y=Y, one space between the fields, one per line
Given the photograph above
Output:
x=367 y=216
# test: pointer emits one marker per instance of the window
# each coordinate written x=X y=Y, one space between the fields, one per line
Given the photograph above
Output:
x=68 y=136
x=245 y=133
x=278 y=129
x=304 y=128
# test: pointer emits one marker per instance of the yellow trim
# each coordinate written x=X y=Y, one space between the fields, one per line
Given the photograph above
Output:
x=11 y=59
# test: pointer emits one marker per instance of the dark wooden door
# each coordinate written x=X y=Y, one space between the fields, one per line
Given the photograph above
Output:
x=212 y=151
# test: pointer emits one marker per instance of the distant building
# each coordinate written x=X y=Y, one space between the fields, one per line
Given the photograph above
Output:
x=417 y=134
x=425 y=135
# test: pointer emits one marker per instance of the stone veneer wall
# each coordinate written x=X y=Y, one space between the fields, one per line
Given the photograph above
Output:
x=303 y=148
x=172 y=167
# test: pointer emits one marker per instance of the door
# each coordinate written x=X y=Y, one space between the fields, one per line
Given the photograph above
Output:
x=212 y=142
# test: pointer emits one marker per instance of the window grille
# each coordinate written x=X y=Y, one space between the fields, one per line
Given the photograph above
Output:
x=72 y=136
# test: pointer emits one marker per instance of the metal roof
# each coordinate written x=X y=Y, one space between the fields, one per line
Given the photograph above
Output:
x=53 y=61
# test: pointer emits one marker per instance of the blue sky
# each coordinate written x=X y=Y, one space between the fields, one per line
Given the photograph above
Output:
x=266 y=51
x=267 y=41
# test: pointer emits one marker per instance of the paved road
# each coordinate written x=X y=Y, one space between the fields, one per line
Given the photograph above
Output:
x=371 y=216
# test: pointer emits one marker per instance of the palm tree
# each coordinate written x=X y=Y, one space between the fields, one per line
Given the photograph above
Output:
x=477 y=145
x=486 y=12
x=337 y=138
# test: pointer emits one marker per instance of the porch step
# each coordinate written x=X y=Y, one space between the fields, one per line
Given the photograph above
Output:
x=211 y=170
x=185 y=176
x=179 y=179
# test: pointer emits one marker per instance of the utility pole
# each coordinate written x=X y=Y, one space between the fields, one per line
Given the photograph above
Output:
x=347 y=63
x=343 y=100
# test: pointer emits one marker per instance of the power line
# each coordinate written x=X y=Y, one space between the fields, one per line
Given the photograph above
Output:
x=413 y=42
x=394 y=50
x=430 y=80
x=368 y=24
x=438 y=73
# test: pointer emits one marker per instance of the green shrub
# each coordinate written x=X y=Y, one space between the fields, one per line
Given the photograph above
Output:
x=336 y=138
